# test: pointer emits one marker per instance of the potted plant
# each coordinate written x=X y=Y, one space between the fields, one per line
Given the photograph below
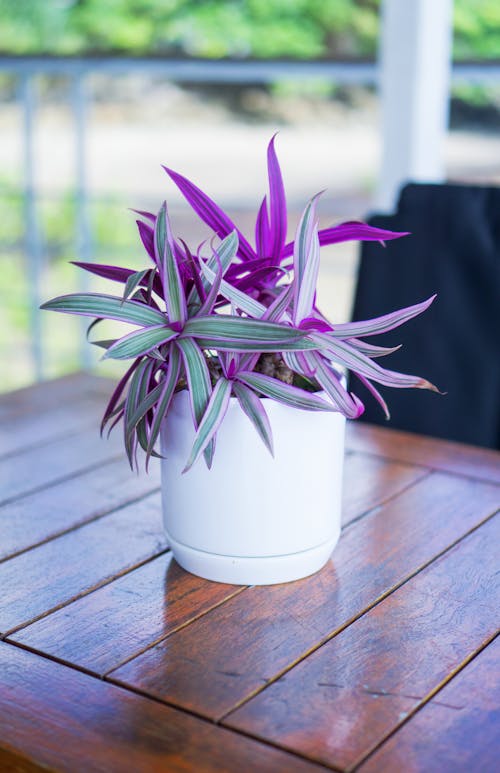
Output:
x=225 y=338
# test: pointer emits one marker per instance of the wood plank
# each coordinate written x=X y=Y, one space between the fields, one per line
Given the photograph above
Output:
x=37 y=517
x=459 y=458
x=350 y=694
x=47 y=395
x=132 y=622
x=20 y=433
x=59 y=459
x=220 y=659
x=457 y=730
x=52 y=716
x=60 y=570
x=369 y=482
x=105 y=628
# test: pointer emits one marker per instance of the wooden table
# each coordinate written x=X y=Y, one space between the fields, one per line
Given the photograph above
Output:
x=114 y=659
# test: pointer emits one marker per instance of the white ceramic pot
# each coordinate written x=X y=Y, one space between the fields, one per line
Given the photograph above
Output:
x=254 y=519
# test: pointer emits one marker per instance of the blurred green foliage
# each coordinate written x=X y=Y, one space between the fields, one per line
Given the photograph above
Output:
x=302 y=29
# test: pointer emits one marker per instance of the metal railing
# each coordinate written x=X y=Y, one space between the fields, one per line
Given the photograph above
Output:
x=26 y=69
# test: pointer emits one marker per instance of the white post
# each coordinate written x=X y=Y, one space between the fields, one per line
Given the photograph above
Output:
x=415 y=68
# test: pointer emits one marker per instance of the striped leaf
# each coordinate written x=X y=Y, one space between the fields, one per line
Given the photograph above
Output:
x=252 y=406
x=173 y=290
x=200 y=386
x=348 y=404
x=106 y=306
x=306 y=263
x=226 y=332
x=240 y=299
x=139 y=378
x=211 y=421
x=284 y=393
x=116 y=395
x=168 y=385
x=140 y=342
x=144 y=405
x=380 y=324
x=346 y=355
x=133 y=281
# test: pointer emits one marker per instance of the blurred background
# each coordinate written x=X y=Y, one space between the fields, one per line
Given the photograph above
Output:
x=97 y=94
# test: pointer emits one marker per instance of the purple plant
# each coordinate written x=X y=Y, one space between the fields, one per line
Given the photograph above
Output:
x=233 y=324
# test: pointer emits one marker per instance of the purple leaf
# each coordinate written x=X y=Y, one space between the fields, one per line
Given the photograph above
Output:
x=262 y=233
x=209 y=303
x=278 y=219
x=147 y=238
x=351 y=231
x=115 y=273
x=210 y=213
x=117 y=393
x=316 y=324
x=146 y=215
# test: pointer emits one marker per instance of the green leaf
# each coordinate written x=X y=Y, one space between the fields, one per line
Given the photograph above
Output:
x=306 y=262
x=172 y=284
x=252 y=406
x=211 y=421
x=200 y=386
x=240 y=299
x=168 y=385
x=284 y=393
x=107 y=306
x=140 y=342
x=225 y=331
x=105 y=343
x=307 y=289
x=133 y=281
x=144 y=405
x=133 y=396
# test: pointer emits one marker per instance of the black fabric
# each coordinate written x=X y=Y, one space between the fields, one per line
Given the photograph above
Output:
x=454 y=251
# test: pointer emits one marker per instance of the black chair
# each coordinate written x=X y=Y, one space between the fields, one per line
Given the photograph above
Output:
x=454 y=250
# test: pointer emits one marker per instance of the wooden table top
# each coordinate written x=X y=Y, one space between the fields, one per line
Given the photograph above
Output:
x=112 y=658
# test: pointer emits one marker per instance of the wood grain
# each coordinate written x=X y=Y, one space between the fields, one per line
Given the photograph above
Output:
x=34 y=518
x=20 y=433
x=459 y=458
x=457 y=730
x=346 y=667
x=220 y=659
x=110 y=625
x=49 y=395
x=56 y=572
x=55 y=461
x=369 y=482
x=58 y=718
x=352 y=692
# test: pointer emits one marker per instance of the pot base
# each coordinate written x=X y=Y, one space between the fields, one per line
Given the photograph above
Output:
x=258 y=570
